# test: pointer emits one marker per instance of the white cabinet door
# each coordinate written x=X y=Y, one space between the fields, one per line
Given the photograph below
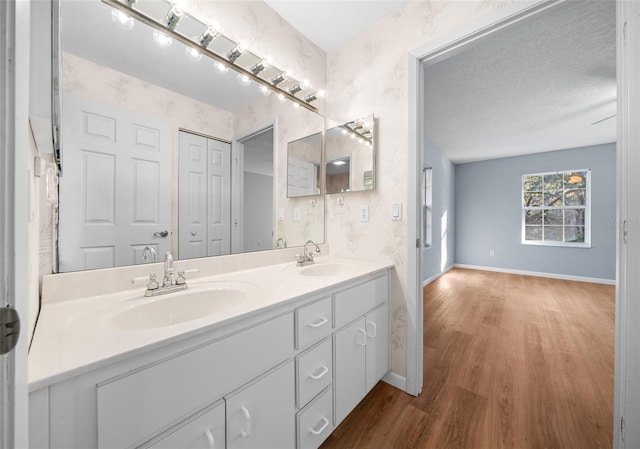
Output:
x=377 y=327
x=263 y=414
x=350 y=363
x=205 y=431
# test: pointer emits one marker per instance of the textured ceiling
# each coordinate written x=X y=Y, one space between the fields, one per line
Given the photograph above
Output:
x=535 y=86
x=330 y=23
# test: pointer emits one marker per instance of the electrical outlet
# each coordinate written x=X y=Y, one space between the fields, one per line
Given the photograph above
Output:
x=492 y=253
x=364 y=212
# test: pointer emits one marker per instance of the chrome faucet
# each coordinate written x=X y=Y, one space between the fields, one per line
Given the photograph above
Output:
x=281 y=240
x=169 y=284
x=149 y=255
x=306 y=258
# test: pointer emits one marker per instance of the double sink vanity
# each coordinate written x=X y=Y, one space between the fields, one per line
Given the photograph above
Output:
x=271 y=356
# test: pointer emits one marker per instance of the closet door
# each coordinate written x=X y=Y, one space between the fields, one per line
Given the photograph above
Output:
x=219 y=198
x=192 y=198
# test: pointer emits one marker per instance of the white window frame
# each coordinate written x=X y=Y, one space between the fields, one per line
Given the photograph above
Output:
x=587 y=213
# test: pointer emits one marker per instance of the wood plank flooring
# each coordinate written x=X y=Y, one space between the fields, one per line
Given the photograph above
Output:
x=510 y=362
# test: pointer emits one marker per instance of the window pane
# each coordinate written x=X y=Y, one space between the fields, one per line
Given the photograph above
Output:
x=574 y=217
x=553 y=216
x=533 y=199
x=575 y=180
x=574 y=234
x=532 y=183
x=553 y=182
x=533 y=217
x=533 y=233
x=553 y=233
x=553 y=198
x=575 y=197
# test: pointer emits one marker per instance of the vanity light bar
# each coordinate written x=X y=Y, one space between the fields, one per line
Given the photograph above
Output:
x=197 y=43
x=259 y=67
x=234 y=54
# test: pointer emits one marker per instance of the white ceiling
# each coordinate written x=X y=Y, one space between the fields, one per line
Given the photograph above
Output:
x=536 y=86
x=330 y=23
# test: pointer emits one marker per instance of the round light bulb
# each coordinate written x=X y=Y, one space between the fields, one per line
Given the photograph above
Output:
x=162 y=39
x=243 y=80
x=281 y=97
x=221 y=67
x=122 y=20
x=193 y=54
x=265 y=90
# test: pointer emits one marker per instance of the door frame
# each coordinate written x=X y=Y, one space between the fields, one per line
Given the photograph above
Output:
x=14 y=214
x=237 y=178
x=432 y=52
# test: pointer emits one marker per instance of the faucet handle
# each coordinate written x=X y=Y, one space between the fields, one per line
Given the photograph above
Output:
x=180 y=279
x=153 y=284
x=300 y=258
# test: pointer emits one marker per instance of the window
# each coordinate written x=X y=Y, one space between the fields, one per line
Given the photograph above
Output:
x=556 y=208
x=427 y=207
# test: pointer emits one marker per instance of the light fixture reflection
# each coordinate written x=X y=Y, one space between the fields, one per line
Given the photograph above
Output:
x=339 y=162
x=122 y=20
x=193 y=54
x=243 y=79
x=221 y=67
x=265 y=90
x=162 y=39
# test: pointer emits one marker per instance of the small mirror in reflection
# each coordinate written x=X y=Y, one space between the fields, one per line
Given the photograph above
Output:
x=303 y=166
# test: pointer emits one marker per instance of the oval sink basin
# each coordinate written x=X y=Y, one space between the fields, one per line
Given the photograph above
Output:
x=176 y=308
x=326 y=269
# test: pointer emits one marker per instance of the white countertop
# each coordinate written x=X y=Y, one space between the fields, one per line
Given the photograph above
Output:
x=79 y=335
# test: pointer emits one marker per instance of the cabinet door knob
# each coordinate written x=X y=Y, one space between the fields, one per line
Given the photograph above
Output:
x=246 y=433
x=325 y=423
x=324 y=370
x=375 y=329
x=210 y=439
x=319 y=323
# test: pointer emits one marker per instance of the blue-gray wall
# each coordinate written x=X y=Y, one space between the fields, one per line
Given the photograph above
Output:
x=441 y=255
x=488 y=214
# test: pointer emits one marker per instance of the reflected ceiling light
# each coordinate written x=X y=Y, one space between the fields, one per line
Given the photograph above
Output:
x=193 y=54
x=173 y=17
x=122 y=20
x=221 y=67
x=259 y=67
x=162 y=39
x=243 y=79
x=235 y=53
x=279 y=78
x=339 y=162
x=207 y=36
x=265 y=90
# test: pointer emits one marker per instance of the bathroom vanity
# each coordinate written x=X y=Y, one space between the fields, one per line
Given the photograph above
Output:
x=279 y=361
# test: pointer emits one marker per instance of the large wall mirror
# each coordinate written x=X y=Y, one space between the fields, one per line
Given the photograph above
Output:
x=350 y=156
x=163 y=149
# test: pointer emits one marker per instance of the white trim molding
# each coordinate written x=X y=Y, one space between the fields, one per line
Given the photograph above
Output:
x=436 y=276
x=566 y=277
x=395 y=380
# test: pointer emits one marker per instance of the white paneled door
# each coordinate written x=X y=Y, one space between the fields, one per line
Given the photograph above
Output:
x=115 y=191
x=204 y=196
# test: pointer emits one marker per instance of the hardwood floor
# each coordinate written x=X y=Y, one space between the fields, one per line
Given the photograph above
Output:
x=510 y=361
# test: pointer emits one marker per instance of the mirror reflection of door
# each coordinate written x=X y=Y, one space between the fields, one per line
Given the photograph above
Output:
x=339 y=175
x=115 y=192
x=204 y=191
x=255 y=219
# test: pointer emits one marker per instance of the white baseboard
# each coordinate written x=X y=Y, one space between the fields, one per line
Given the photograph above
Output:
x=395 y=380
x=566 y=277
x=433 y=278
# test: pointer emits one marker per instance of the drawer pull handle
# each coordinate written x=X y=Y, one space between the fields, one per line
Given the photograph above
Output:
x=325 y=423
x=319 y=323
x=210 y=439
x=246 y=433
x=364 y=339
x=324 y=370
x=375 y=329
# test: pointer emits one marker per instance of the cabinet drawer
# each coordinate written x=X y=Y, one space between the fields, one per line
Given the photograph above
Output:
x=314 y=371
x=204 y=431
x=313 y=322
x=132 y=409
x=315 y=422
x=356 y=301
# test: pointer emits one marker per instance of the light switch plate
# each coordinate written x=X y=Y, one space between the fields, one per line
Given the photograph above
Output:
x=396 y=211
x=281 y=213
x=364 y=212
